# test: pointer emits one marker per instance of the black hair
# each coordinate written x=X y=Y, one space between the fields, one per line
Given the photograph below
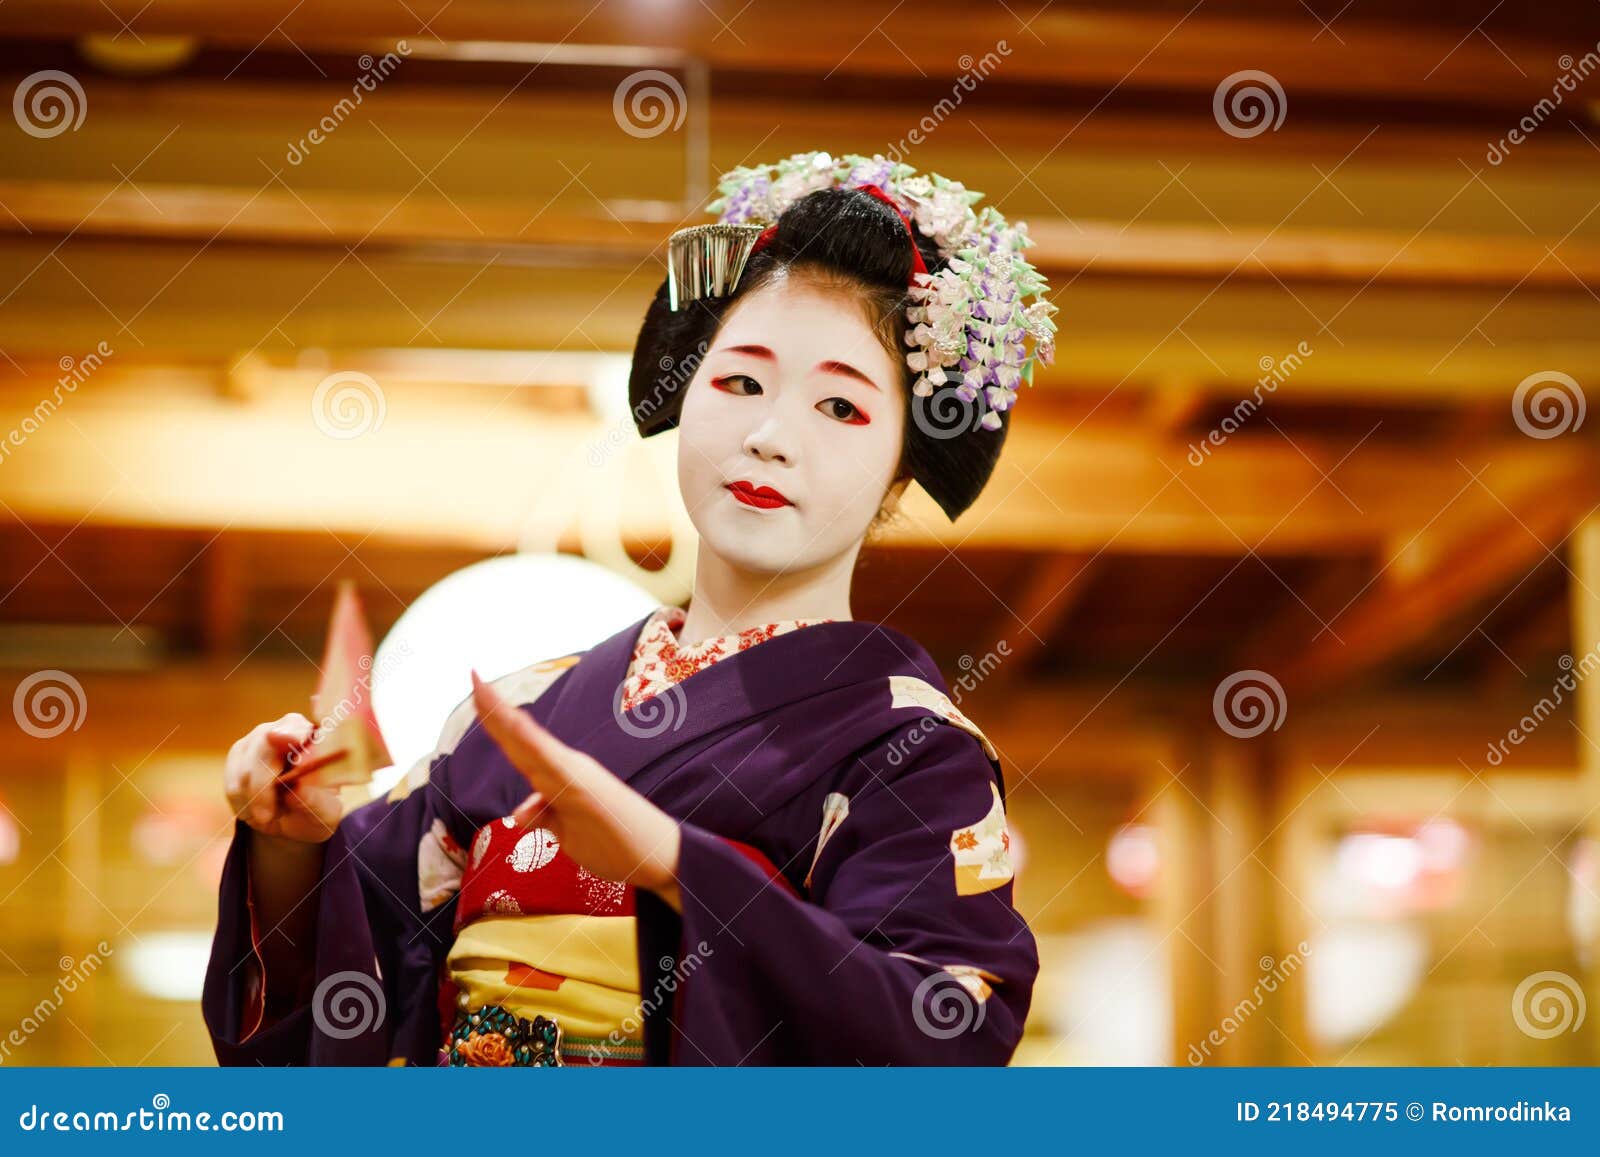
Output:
x=848 y=239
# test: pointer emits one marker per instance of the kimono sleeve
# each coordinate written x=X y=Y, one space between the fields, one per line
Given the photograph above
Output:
x=384 y=906
x=907 y=951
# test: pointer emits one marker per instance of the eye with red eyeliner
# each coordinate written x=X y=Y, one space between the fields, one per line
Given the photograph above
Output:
x=719 y=383
x=853 y=415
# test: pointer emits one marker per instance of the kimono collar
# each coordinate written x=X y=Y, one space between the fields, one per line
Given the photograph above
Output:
x=585 y=706
x=660 y=660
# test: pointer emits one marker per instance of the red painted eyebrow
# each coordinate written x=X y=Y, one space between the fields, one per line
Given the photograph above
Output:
x=844 y=369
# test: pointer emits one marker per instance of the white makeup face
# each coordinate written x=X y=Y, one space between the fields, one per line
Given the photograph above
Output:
x=797 y=394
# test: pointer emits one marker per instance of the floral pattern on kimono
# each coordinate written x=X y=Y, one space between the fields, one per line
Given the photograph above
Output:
x=659 y=660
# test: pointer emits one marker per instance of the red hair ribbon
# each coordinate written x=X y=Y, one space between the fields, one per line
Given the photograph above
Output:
x=918 y=265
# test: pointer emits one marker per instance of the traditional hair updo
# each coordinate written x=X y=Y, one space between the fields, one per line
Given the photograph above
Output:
x=848 y=240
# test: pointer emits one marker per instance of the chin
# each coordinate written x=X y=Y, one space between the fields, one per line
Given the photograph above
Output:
x=754 y=548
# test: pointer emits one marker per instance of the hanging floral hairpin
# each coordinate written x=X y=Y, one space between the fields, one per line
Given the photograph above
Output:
x=979 y=325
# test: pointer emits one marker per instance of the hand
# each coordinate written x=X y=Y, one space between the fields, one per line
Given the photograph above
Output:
x=299 y=812
x=602 y=823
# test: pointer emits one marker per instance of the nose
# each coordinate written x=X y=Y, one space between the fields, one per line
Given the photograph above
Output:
x=768 y=442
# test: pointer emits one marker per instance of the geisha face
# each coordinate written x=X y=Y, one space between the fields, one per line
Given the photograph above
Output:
x=796 y=395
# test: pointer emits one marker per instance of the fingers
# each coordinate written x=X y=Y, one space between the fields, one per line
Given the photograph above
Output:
x=253 y=766
x=255 y=802
x=259 y=806
x=320 y=802
x=287 y=739
x=531 y=749
x=282 y=743
x=292 y=729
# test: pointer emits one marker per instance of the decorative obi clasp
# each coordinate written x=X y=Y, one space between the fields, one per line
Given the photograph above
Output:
x=494 y=1035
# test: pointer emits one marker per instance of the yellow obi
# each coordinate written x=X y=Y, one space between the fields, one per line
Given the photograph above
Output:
x=586 y=977
x=537 y=935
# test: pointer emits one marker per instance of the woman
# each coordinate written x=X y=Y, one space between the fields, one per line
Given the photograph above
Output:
x=759 y=832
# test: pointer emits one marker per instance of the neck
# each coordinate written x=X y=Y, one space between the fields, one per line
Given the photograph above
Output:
x=728 y=598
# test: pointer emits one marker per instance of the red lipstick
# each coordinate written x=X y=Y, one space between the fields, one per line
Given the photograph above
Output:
x=764 y=497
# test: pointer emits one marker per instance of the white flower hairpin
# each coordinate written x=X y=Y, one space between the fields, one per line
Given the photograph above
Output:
x=979 y=325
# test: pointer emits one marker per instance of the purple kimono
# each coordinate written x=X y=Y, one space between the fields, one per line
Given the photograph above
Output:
x=844 y=872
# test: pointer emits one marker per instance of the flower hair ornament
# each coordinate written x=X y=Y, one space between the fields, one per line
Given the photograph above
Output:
x=979 y=325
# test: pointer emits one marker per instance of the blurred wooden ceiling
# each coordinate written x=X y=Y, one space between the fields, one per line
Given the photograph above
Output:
x=1382 y=515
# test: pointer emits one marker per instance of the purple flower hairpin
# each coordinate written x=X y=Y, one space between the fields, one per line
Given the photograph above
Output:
x=979 y=325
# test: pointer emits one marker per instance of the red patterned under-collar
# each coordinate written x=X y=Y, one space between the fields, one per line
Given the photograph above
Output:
x=659 y=660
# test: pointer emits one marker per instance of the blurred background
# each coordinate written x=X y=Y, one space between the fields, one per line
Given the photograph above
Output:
x=1281 y=607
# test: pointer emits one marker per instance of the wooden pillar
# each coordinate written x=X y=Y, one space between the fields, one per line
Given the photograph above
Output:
x=1245 y=903
x=1585 y=587
x=1184 y=903
x=84 y=918
x=1218 y=902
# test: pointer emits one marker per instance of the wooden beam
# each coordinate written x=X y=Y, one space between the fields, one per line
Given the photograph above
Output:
x=1423 y=61
x=168 y=452
x=1173 y=407
x=223 y=609
x=1054 y=586
x=628 y=235
x=1430 y=584
x=1297 y=617
x=1545 y=631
